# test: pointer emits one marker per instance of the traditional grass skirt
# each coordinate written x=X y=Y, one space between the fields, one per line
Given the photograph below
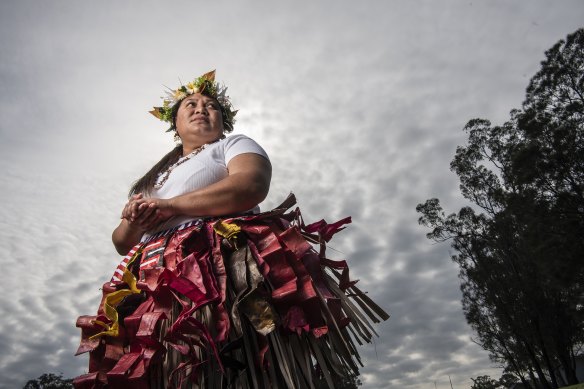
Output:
x=244 y=302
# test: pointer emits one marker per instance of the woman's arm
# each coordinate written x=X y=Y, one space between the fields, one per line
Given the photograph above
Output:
x=246 y=186
x=137 y=218
x=125 y=236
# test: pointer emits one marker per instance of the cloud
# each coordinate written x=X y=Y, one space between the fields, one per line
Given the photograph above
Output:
x=360 y=107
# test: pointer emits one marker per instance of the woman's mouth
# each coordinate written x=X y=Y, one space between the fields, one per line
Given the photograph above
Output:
x=200 y=119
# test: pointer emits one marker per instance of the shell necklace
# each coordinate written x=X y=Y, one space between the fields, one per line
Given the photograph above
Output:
x=163 y=177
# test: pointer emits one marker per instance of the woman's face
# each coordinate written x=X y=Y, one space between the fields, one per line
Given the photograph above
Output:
x=199 y=120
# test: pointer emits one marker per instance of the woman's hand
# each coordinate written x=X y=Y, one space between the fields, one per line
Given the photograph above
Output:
x=133 y=208
x=145 y=213
x=139 y=216
x=147 y=217
x=162 y=209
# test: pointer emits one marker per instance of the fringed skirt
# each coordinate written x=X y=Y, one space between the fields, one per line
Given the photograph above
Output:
x=244 y=302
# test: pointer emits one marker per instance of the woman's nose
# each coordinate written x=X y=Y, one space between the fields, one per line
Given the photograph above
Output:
x=201 y=108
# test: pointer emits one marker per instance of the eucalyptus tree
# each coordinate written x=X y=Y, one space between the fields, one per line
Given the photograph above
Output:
x=520 y=244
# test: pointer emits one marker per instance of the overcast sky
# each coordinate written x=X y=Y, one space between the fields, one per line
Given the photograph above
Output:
x=360 y=105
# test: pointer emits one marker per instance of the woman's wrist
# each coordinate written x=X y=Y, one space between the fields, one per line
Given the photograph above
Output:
x=133 y=229
x=125 y=236
x=171 y=206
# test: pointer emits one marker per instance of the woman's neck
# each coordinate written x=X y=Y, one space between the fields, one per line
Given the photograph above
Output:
x=189 y=148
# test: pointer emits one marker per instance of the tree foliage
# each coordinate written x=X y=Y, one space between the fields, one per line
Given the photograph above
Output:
x=520 y=247
x=49 y=381
x=485 y=382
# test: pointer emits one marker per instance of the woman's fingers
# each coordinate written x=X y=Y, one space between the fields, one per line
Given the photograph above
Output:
x=145 y=211
x=136 y=208
x=124 y=211
x=131 y=206
x=152 y=220
x=165 y=207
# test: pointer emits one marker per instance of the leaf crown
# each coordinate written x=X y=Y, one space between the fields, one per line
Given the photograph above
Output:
x=205 y=85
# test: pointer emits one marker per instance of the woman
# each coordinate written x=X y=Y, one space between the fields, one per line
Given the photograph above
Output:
x=212 y=294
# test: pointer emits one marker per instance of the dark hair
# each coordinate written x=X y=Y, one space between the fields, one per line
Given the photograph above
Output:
x=146 y=183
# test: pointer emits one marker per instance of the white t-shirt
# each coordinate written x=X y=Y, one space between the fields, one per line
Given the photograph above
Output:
x=202 y=170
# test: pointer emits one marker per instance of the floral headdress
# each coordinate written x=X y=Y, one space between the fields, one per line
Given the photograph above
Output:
x=205 y=85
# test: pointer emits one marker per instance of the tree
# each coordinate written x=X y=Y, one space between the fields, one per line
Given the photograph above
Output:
x=507 y=380
x=520 y=247
x=49 y=381
x=485 y=382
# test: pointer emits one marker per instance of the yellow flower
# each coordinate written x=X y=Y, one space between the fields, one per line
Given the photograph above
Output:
x=179 y=95
x=192 y=88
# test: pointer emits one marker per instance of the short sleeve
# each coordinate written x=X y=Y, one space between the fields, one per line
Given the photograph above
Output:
x=241 y=144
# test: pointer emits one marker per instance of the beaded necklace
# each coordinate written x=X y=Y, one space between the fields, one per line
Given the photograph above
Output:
x=163 y=176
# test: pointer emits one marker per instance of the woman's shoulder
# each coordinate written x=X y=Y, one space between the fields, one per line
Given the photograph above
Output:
x=238 y=140
x=234 y=138
x=238 y=144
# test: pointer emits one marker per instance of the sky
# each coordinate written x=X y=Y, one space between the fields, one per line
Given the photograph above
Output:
x=359 y=104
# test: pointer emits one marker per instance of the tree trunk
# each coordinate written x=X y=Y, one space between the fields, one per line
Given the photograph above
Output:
x=545 y=355
x=540 y=374
x=569 y=370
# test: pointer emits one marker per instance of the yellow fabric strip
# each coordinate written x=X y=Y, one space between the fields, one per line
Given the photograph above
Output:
x=113 y=299
x=226 y=230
